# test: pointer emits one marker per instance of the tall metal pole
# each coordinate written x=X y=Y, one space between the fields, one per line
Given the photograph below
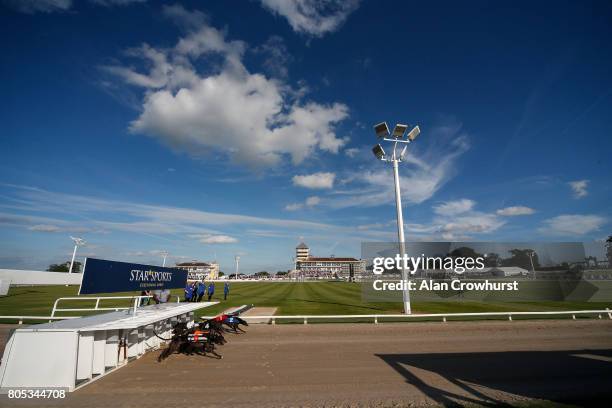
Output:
x=165 y=254
x=73 y=255
x=237 y=263
x=400 y=231
x=530 y=254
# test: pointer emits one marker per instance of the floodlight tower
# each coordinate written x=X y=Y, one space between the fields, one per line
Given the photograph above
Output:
x=164 y=254
x=397 y=138
x=77 y=243
x=530 y=254
x=237 y=258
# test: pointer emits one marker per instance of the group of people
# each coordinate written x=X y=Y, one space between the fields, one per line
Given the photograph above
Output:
x=194 y=292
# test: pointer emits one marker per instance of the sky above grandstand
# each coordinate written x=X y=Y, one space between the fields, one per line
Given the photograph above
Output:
x=210 y=129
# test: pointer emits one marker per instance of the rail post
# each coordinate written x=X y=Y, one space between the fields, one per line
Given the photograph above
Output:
x=609 y=314
x=443 y=319
x=375 y=319
x=509 y=316
x=305 y=320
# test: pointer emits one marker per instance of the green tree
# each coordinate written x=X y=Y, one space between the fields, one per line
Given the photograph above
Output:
x=221 y=273
x=65 y=267
x=520 y=258
x=492 y=260
x=262 y=274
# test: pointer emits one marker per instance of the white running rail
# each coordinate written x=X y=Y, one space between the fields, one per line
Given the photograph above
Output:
x=136 y=301
x=442 y=316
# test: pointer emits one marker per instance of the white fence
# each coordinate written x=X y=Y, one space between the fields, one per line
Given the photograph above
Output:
x=442 y=316
x=374 y=318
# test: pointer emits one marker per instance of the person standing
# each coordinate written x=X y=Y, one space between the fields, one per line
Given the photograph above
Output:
x=225 y=290
x=188 y=293
x=194 y=288
x=211 y=290
x=201 y=290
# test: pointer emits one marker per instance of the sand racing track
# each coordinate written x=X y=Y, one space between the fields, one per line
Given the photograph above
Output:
x=414 y=364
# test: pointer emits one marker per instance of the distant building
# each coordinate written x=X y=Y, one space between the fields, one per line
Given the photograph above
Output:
x=307 y=266
x=200 y=270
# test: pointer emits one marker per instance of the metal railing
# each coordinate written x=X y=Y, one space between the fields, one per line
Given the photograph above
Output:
x=442 y=316
x=136 y=302
x=22 y=318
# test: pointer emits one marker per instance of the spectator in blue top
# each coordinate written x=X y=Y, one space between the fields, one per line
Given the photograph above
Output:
x=211 y=290
x=188 y=293
x=225 y=290
x=201 y=290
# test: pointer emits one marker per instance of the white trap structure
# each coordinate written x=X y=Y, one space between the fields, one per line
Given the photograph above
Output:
x=72 y=353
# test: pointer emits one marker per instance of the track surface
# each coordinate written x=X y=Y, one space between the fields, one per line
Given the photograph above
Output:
x=417 y=364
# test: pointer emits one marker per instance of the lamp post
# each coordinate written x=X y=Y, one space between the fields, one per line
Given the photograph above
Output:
x=77 y=243
x=530 y=254
x=397 y=138
x=165 y=255
x=237 y=258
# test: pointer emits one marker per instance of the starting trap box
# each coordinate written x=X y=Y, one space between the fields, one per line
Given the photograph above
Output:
x=72 y=353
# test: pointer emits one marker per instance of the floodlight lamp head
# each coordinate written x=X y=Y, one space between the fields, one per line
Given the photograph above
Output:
x=382 y=130
x=399 y=130
x=414 y=133
x=379 y=152
x=78 y=241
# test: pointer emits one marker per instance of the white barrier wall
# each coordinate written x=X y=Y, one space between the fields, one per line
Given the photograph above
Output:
x=21 y=277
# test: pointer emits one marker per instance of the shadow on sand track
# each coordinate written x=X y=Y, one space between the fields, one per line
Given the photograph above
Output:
x=582 y=377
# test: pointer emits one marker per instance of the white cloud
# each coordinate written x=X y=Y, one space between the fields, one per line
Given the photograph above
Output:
x=454 y=207
x=321 y=180
x=579 y=187
x=254 y=120
x=423 y=172
x=312 y=201
x=44 y=228
x=515 y=210
x=276 y=56
x=309 y=203
x=294 y=206
x=351 y=152
x=50 y=6
x=313 y=17
x=571 y=225
x=44 y=6
x=217 y=239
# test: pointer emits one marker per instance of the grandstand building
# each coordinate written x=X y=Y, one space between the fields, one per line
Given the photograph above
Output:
x=307 y=266
x=200 y=270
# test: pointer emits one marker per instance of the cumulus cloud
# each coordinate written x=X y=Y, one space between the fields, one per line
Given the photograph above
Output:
x=309 y=203
x=423 y=172
x=579 y=187
x=454 y=207
x=515 y=211
x=255 y=120
x=217 y=239
x=313 y=17
x=276 y=56
x=321 y=180
x=571 y=225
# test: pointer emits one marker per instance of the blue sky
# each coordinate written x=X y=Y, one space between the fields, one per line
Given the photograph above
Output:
x=216 y=128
